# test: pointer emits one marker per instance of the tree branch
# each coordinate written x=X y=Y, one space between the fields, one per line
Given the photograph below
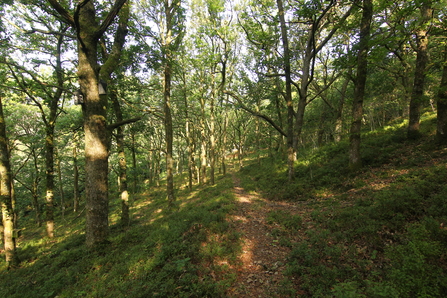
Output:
x=62 y=12
x=254 y=113
x=124 y=122
x=110 y=17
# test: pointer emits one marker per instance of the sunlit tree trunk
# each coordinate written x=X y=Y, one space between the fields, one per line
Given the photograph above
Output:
x=203 y=159
x=6 y=197
x=212 y=136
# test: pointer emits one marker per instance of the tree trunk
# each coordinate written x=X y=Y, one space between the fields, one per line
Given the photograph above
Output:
x=417 y=95
x=441 y=102
x=288 y=95
x=134 y=162
x=122 y=164
x=189 y=141
x=338 y=131
x=355 y=161
x=6 y=197
x=203 y=161
x=169 y=136
x=61 y=188
x=49 y=165
x=75 y=180
x=224 y=143
x=212 y=138
x=96 y=132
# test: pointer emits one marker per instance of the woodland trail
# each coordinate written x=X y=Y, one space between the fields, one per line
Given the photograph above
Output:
x=262 y=259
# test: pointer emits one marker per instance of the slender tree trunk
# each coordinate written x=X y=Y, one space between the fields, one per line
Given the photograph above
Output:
x=75 y=180
x=6 y=197
x=169 y=136
x=203 y=160
x=49 y=164
x=134 y=162
x=355 y=161
x=288 y=95
x=122 y=164
x=189 y=141
x=61 y=188
x=212 y=142
x=441 y=102
x=417 y=95
x=224 y=143
x=339 y=112
x=49 y=142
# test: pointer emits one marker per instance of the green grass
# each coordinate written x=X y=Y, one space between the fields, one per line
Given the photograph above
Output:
x=162 y=254
x=380 y=232
x=375 y=233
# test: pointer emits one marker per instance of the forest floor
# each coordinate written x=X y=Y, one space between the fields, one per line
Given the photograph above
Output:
x=379 y=232
x=263 y=259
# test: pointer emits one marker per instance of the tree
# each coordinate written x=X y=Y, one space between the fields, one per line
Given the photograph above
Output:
x=169 y=16
x=417 y=95
x=85 y=19
x=441 y=102
x=355 y=161
x=6 y=196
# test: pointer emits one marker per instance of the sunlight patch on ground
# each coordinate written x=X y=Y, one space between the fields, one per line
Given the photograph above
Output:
x=241 y=197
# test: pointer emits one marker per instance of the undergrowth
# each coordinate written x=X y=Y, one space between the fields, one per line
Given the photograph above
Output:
x=164 y=253
x=380 y=232
x=375 y=233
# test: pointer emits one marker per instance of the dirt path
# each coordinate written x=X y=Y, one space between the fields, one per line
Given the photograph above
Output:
x=262 y=259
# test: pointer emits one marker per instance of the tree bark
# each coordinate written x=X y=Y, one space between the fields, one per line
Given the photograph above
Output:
x=49 y=165
x=6 y=197
x=169 y=136
x=441 y=102
x=212 y=132
x=338 y=130
x=75 y=180
x=89 y=31
x=189 y=140
x=417 y=95
x=122 y=164
x=288 y=94
x=203 y=159
x=355 y=161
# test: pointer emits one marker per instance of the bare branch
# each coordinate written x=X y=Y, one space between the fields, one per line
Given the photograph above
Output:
x=62 y=12
x=254 y=113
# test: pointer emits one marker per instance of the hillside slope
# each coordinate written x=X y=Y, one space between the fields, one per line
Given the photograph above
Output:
x=331 y=233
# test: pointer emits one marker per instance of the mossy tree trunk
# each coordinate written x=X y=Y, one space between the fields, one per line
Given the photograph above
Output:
x=89 y=31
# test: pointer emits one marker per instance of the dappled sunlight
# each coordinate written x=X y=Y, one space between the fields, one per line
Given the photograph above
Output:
x=261 y=260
